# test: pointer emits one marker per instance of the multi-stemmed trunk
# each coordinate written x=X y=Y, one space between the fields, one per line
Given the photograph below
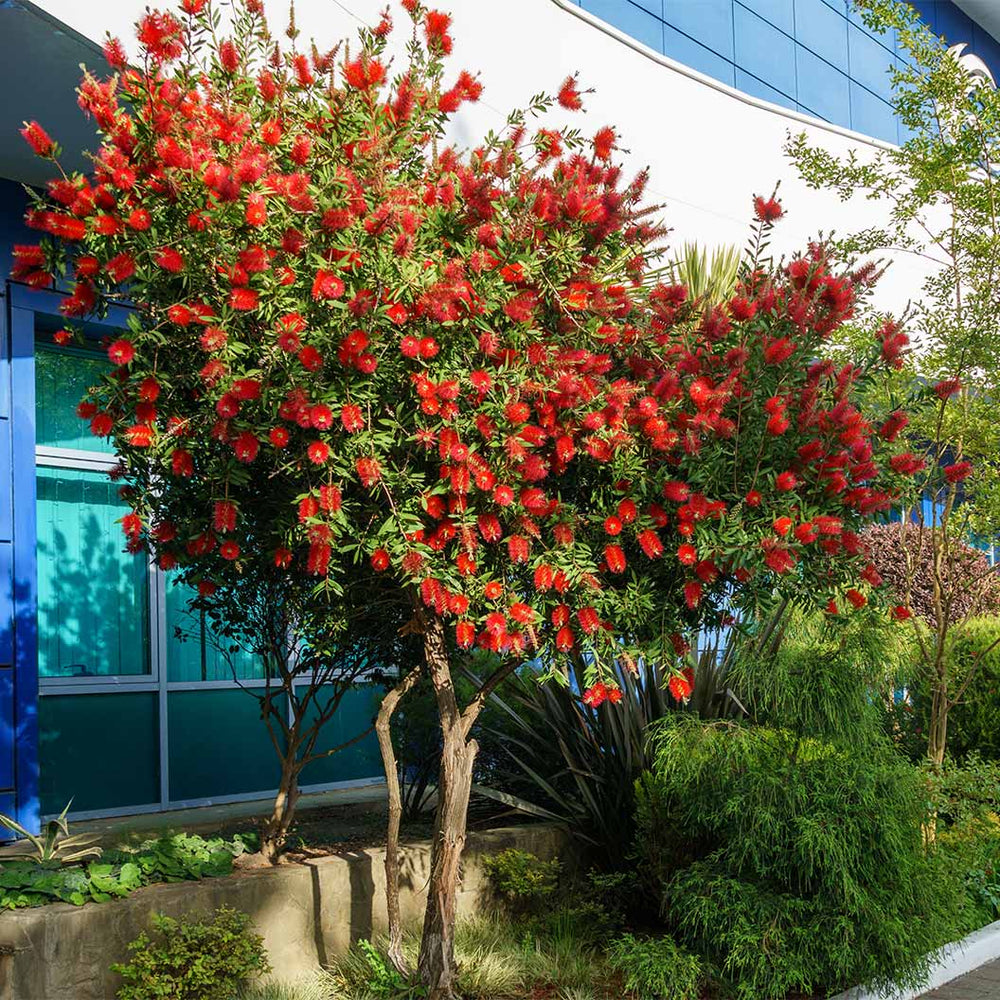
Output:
x=275 y=827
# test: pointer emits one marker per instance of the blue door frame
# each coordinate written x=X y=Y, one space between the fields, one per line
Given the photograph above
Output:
x=22 y=310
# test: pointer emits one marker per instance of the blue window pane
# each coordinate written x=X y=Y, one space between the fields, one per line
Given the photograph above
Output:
x=821 y=29
x=871 y=115
x=93 y=598
x=840 y=6
x=62 y=376
x=757 y=88
x=822 y=89
x=707 y=21
x=927 y=9
x=986 y=47
x=690 y=53
x=765 y=52
x=633 y=20
x=870 y=63
x=655 y=7
x=780 y=13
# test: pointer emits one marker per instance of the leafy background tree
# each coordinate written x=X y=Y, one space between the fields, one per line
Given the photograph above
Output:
x=939 y=188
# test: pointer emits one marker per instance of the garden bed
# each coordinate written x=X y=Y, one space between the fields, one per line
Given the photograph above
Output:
x=308 y=913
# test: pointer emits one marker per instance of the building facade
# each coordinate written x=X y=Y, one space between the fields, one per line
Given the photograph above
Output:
x=100 y=701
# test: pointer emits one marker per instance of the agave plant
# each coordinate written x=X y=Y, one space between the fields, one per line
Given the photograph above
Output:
x=54 y=845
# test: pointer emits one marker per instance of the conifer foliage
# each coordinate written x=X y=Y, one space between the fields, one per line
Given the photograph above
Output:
x=367 y=360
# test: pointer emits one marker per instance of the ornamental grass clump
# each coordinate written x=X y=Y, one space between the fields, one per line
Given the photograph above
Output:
x=367 y=363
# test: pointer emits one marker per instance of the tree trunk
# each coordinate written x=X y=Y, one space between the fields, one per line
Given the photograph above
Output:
x=382 y=728
x=437 y=946
x=276 y=826
x=458 y=754
x=937 y=735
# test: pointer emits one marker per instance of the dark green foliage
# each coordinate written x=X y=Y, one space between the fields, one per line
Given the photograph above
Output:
x=655 y=968
x=170 y=859
x=581 y=763
x=521 y=878
x=794 y=864
x=204 y=959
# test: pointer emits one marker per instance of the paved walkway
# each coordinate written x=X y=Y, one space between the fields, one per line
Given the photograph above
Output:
x=983 y=984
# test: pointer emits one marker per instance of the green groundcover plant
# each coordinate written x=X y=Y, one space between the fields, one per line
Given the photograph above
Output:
x=174 y=858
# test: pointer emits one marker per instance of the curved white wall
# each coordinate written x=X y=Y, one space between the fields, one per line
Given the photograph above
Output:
x=709 y=148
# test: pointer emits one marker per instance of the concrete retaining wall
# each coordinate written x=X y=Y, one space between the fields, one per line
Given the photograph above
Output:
x=307 y=913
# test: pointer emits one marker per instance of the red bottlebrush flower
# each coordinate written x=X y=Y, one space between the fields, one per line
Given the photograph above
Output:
x=465 y=634
x=871 y=575
x=244 y=299
x=857 y=599
x=121 y=352
x=894 y=343
x=409 y=347
x=138 y=435
x=777 y=424
x=615 y=558
x=678 y=492
x=169 y=259
x=63 y=337
x=900 y=613
x=692 y=593
x=650 y=543
x=278 y=436
x=224 y=517
x=589 y=620
x=181 y=462
x=806 y=533
x=687 y=554
x=565 y=640
x=596 y=695
x=140 y=220
x=330 y=498
x=256 y=210
x=778 y=350
x=352 y=418
x=229 y=550
x=612 y=526
x=753 y=498
x=282 y=558
x=379 y=560
x=310 y=358
x=101 y=424
x=785 y=482
x=428 y=347
x=782 y=525
x=131 y=525
x=206 y=588
x=161 y=35
x=569 y=95
x=777 y=558
x=947 y=387
x=369 y=471
x=544 y=575
x=363 y=73
x=229 y=57
x=896 y=422
x=326 y=285
x=767 y=210
x=831 y=607
x=907 y=463
x=522 y=613
x=38 y=139
x=114 y=53
x=681 y=685
x=604 y=142
x=318 y=560
x=436 y=25
x=518 y=548
x=318 y=452
x=398 y=313
x=957 y=471
x=213 y=339
x=246 y=447
x=627 y=511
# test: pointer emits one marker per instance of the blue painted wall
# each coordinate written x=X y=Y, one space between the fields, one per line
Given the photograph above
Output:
x=18 y=671
x=813 y=56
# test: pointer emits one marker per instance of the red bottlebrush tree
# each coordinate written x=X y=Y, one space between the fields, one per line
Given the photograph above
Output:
x=379 y=365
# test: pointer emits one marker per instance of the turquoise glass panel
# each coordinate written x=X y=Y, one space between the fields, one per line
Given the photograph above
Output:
x=62 y=376
x=355 y=714
x=219 y=745
x=195 y=652
x=100 y=750
x=93 y=597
